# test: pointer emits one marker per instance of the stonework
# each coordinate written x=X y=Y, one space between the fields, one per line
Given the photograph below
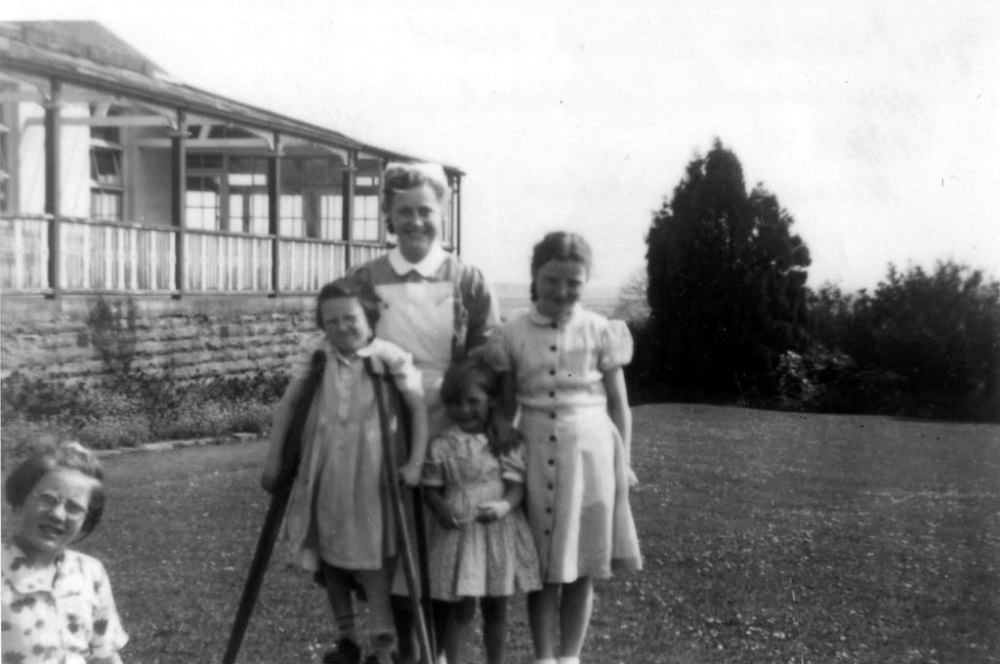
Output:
x=192 y=337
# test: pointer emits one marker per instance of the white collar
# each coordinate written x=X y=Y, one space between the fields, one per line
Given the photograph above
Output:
x=425 y=268
x=538 y=318
x=368 y=350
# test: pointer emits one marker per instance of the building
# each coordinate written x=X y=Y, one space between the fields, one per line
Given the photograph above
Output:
x=114 y=177
x=118 y=181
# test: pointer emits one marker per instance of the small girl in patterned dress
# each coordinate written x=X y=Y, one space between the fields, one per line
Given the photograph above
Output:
x=481 y=546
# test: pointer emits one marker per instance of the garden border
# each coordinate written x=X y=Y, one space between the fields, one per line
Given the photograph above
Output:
x=165 y=445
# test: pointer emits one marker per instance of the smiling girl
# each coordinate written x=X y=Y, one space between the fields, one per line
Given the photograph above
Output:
x=57 y=603
x=481 y=546
x=339 y=522
x=563 y=367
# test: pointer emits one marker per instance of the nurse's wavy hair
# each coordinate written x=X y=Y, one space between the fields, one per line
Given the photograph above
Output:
x=49 y=456
x=559 y=246
x=400 y=176
x=370 y=302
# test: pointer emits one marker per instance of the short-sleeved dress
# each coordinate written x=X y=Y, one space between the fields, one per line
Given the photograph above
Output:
x=62 y=613
x=339 y=506
x=577 y=479
x=494 y=559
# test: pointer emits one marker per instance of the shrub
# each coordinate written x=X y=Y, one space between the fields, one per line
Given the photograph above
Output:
x=925 y=343
x=137 y=407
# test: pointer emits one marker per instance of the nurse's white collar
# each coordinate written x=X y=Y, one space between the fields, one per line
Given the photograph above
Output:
x=539 y=318
x=425 y=268
x=366 y=351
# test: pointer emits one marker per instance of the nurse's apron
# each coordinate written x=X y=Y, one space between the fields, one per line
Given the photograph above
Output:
x=420 y=318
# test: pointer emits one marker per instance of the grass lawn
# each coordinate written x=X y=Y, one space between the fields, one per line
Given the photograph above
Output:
x=768 y=537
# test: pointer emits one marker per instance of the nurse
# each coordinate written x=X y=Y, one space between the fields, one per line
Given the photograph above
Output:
x=435 y=307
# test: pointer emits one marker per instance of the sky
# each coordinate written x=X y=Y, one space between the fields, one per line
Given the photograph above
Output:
x=875 y=124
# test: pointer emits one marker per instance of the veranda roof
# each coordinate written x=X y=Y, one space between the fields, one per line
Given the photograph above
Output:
x=87 y=54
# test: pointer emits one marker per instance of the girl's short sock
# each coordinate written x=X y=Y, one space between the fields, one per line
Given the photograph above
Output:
x=546 y=660
x=568 y=660
x=345 y=627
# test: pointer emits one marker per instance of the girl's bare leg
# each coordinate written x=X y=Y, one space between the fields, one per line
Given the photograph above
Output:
x=543 y=610
x=574 y=615
x=456 y=637
x=494 y=628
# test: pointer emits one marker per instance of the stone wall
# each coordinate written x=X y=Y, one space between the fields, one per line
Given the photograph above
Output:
x=195 y=336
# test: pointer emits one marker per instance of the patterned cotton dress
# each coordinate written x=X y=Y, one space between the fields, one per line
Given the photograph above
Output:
x=495 y=559
x=577 y=483
x=339 y=506
x=62 y=613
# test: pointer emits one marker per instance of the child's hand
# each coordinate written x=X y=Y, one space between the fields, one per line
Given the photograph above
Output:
x=446 y=517
x=410 y=474
x=632 y=479
x=492 y=511
x=502 y=434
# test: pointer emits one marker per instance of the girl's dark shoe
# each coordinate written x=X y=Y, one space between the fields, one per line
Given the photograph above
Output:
x=346 y=652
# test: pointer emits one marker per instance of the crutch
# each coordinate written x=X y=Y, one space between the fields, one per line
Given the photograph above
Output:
x=399 y=511
x=291 y=453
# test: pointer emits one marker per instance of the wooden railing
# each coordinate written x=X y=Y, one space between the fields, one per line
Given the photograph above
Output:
x=305 y=265
x=24 y=253
x=104 y=256
x=226 y=262
x=362 y=253
x=96 y=256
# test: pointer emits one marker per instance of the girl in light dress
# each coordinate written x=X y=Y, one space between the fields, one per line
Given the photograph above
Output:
x=481 y=546
x=339 y=520
x=563 y=372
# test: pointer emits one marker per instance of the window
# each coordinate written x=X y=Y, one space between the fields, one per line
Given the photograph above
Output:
x=5 y=203
x=312 y=201
x=107 y=184
x=246 y=180
x=365 y=227
x=290 y=215
x=448 y=223
x=331 y=215
x=366 y=223
x=202 y=202
x=227 y=193
x=197 y=161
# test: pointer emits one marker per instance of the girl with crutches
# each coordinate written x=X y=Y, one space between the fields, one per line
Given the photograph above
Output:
x=342 y=520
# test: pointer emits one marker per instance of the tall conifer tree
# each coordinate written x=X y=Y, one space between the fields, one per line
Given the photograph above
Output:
x=726 y=282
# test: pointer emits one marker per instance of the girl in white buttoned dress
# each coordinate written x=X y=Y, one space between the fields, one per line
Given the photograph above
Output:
x=564 y=373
